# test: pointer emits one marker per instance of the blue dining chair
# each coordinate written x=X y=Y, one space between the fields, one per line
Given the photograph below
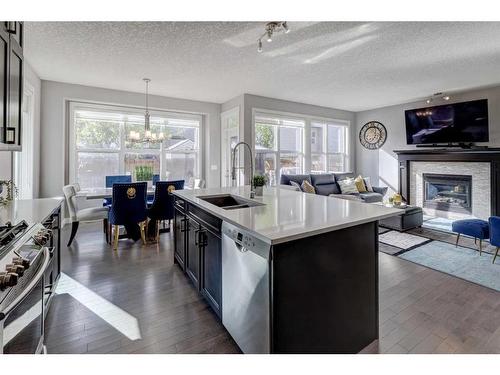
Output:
x=110 y=180
x=494 y=222
x=128 y=208
x=163 y=203
x=156 y=178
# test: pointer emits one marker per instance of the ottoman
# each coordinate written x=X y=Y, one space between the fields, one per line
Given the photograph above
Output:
x=477 y=228
x=411 y=217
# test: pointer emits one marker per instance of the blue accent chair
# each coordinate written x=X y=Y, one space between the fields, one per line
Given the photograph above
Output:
x=128 y=209
x=494 y=222
x=163 y=204
x=477 y=228
x=110 y=180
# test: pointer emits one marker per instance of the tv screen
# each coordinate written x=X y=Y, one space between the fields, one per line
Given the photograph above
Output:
x=450 y=123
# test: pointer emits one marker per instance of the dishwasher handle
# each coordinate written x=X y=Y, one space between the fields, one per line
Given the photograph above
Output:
x=240 y=247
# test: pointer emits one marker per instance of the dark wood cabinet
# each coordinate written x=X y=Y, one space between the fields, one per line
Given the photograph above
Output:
x=180 y=225
x=16 y=30
x=11 y=84
x=193 y=252
x=198 y=251
x=4 y=74
x=211 y=260
x=51 y=275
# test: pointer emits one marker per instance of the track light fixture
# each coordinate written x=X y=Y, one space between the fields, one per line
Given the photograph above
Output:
x=438 y=95
x=271 y=28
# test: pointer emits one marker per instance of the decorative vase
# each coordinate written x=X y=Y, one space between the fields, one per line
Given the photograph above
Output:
x=259 y=190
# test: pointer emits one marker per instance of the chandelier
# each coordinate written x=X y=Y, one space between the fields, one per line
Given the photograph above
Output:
x=271 y=28
x=149 y=136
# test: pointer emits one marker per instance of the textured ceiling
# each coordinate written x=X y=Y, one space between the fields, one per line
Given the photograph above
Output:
x=352 y=66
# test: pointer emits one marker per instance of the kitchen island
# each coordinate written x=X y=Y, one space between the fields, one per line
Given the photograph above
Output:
x=287 y=272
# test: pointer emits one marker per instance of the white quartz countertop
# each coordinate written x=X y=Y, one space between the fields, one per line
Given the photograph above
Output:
x=31 y=210
x=288 y=215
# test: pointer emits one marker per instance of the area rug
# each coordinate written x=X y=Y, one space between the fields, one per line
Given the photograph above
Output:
x=401 y=240
x=438 y=223
x=461 y=262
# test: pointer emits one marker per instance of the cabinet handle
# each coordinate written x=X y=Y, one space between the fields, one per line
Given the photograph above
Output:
x=183 y=225
x=196 y=237
x=203 y=237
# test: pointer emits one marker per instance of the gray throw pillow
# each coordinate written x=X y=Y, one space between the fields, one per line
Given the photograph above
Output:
x=368 y=184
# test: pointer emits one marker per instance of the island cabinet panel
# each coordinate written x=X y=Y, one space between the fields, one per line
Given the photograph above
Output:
x=193 y=252
x=180 y=225
x=211 y=280
x=325 y=292
x=198 y=250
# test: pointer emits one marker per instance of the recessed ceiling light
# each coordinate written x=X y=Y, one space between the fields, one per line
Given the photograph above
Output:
x=446 y=97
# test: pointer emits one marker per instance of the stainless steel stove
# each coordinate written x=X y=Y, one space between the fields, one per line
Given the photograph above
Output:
x=24 y=258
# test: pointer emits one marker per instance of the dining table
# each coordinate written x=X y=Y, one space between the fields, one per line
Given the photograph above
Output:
x=104 y=192
x=107 y=192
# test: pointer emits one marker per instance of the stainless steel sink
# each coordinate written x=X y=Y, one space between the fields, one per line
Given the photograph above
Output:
x=229 y=201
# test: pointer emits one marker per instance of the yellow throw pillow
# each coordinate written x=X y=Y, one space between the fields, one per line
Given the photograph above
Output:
x=307 y=187
x=360 y=184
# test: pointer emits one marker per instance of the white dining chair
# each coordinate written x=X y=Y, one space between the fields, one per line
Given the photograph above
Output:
x=85 y=214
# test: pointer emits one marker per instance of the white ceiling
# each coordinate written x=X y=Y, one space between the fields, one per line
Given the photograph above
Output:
x=352 y=66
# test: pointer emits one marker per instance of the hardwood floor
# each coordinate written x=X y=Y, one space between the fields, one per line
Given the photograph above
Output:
x=108 y=299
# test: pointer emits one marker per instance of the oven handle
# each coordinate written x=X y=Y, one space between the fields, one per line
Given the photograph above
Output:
x=30 y=286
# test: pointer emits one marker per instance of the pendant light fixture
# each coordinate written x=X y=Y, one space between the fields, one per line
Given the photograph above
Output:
x=149 y=137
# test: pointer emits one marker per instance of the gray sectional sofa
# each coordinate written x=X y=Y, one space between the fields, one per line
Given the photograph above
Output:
x=326 y=184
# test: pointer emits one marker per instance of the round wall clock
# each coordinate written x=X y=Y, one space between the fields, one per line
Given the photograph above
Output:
x=373 y=135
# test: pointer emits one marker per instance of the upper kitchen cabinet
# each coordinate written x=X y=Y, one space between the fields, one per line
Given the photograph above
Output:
x=11 y=84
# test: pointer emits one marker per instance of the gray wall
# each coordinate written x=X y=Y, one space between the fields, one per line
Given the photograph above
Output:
x=54 y=125
x=381 y=165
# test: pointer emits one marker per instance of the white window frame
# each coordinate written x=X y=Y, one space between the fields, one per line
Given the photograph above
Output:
x=277 y=151
x=306 y=137
x=122 y=150
x=324 y=147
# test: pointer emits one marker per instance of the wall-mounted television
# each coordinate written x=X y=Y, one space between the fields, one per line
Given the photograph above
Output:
x=465 y=122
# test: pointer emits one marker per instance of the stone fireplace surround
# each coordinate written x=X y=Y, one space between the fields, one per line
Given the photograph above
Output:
x=481 y=176
x=483 y=164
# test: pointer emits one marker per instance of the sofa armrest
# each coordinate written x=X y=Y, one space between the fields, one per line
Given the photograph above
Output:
x=380 y=189
x=289 y=187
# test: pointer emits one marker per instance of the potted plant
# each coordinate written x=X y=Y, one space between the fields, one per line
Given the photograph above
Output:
x=259 y=181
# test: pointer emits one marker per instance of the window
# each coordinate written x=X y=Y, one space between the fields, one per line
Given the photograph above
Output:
x=99 y=145
x=278 y=146
x=280 y=141
x=329 y=147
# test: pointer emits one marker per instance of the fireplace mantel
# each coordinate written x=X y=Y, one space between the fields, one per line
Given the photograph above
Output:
x=490 y=155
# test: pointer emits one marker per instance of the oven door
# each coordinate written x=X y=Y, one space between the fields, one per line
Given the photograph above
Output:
x=21 y=329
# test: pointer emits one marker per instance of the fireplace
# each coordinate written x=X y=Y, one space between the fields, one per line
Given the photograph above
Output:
x=447 y=192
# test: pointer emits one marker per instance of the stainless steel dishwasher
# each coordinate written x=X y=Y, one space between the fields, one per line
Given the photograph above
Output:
x=245 y=289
